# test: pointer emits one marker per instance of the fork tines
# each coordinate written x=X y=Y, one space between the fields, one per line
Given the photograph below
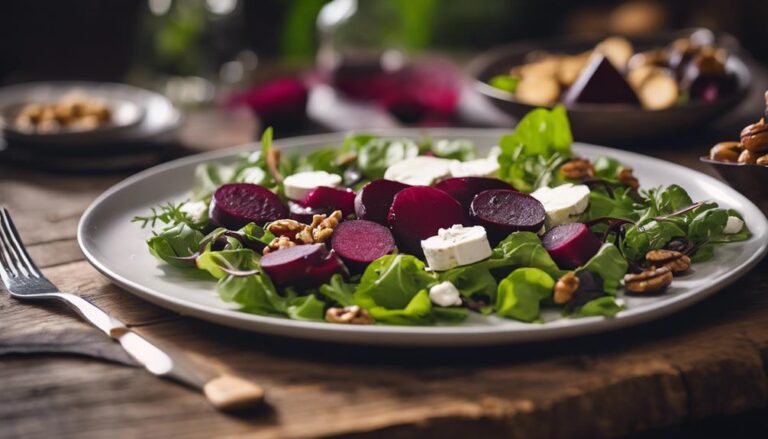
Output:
x=14 y=259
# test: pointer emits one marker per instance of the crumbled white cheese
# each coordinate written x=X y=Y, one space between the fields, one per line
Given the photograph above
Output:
x=733 y=226
x=196 y=211
x=252 y=175
x=475 y=168
x=299 y=185
x=419 y=171
x=494 y=153
x=445 y=294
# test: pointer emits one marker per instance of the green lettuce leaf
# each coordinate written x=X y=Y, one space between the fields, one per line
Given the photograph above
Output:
x=392 y=281
x=639 y=239
x=306 y=308
x=520 y=294
x=610 y=265
x=605 y=306
x=522 y=249
x=473 y=281
x=339 y=291
x=219 y=263
x=175 y=242
x=255 y=294
x=376 y=155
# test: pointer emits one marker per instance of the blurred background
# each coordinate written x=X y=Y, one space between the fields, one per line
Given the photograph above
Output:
x=236 y=66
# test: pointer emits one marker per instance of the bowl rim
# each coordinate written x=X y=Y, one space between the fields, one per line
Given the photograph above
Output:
x=490 y=56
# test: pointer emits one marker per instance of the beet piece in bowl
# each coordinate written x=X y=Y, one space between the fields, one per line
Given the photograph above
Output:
x=571 y=245
x=464 y=189
x=302 y=265
x=375 y=198
x=503 y=211
x=237 y=204
x=360 y=242
x=328 y=199
x=419 y=212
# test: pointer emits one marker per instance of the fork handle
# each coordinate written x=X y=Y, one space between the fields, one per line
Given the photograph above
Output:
x=224 y=391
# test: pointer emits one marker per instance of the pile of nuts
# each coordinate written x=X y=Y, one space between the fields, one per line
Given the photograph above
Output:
x=752 y=149
x=289 y=233
x=663 y=265
x=74 y=112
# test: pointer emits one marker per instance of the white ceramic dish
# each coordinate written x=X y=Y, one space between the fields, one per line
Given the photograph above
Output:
x=116 y=247
x=138 y=113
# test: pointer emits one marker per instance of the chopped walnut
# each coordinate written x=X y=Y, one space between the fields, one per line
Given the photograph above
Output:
x=352 y=315
x=626 y=177
x=296 y=233
x=649 y=281
x=577 y=169
x=676 y=261
x=565 y=288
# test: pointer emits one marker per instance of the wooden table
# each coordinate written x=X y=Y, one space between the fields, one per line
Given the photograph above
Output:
x=59 y=377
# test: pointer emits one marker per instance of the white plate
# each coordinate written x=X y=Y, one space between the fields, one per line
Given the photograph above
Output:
x=138 y=113
x=116 y=247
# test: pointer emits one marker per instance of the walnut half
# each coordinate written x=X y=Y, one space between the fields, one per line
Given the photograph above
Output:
x=649 y=281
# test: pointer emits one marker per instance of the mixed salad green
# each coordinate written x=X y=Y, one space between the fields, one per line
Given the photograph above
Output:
x=517 y=280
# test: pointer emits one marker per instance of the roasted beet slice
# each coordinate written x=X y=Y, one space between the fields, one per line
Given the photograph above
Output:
x=330 y=199
x=419 y=212
x=503 y=211
x=304 y=214
x=360 y=242
x=571 y=245
x=464 y=189
x=237 y=204
x=302 y=265
x=373 y=201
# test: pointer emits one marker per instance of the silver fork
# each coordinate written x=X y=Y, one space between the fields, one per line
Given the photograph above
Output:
x=24 y=281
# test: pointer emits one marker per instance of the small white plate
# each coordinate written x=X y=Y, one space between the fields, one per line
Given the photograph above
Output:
x=117 y=248
x=137 y=113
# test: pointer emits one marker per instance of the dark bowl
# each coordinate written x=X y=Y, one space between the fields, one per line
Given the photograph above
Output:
x=747 y=179
x=611 y=122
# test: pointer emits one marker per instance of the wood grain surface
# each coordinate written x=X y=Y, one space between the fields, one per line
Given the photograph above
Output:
x=61 y=378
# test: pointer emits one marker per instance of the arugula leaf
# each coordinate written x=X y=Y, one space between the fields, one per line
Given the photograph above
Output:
x=522 y=249
x=605 y=306
x=376 y=155
x=175 y=242
x=306 y=308
x=601 y=205
x=220 y=263
x=610 y=265
x=533 y=151
x=639 y=239
x=339 y=291
x=459 y=149
x=520 y=294
x=256 y=294
x=473 y=281
x=416 y=312
x=392 y=281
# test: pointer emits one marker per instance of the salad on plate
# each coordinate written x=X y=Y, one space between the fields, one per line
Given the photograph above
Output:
x=398 y=231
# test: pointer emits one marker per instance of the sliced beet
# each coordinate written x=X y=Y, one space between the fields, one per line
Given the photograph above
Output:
x=330 y=199
x=503 y=211
x=419 y=212
x=373 y=201
x=237 y=204
x=360 y=242
x=304 y=214
x=464 y=189
x=302 y=265
x=571 y=245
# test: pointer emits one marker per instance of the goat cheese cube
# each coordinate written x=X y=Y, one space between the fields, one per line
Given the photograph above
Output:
x=456 y=246
x=475 y=168
x=298 y=185
x=419 y=171
x=563 y=203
